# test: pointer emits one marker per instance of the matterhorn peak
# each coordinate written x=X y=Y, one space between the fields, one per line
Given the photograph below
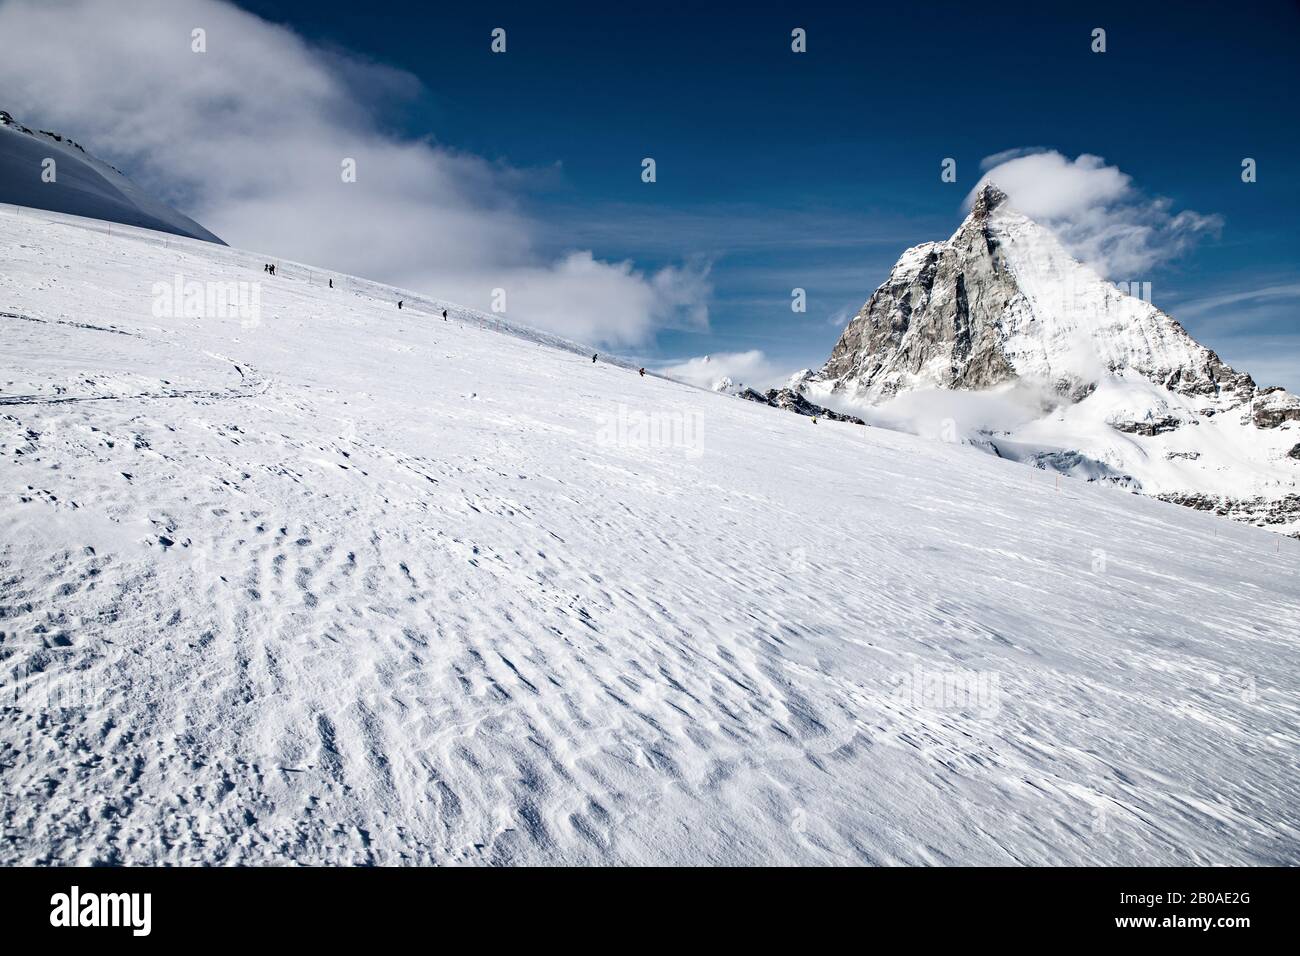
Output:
x=987 y=198
x=1112 y=387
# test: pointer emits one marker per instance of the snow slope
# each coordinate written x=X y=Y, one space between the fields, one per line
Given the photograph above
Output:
x=1028 y=353
x=348 y=585
x=82 y=186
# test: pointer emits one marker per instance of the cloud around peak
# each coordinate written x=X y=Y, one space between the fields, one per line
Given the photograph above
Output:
x=1095 y=209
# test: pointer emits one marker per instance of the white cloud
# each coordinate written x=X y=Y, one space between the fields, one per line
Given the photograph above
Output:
x=249 y=137
x=1095 y=210
x=997 y=159
x=750 y=368
x=949 y=415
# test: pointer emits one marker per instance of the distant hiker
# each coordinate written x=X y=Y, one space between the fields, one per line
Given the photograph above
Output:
x=272 y=268
x=444 y=315
x=399 y=303
x=331 y=283
x=593 y=360
x=643 y=372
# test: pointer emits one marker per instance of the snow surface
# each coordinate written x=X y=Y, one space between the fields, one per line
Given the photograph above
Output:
x=352 y=585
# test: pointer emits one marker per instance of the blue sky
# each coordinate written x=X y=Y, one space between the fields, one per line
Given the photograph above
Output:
x=775 y=170
x=816 y=170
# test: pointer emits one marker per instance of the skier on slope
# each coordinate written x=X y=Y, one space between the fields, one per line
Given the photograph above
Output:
x=643 y=371
x=399 y=305
x=444 y=315
x=593 y=359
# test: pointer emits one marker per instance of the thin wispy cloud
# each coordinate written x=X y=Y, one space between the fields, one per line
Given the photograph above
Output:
x=1266 y=356
x=249 y=137
x=1244 y=298
x=1248 y=328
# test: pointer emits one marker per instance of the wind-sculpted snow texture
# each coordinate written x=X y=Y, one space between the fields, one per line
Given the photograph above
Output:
x=354 y=585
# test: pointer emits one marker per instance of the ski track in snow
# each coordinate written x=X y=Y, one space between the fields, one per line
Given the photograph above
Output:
x=361 y=586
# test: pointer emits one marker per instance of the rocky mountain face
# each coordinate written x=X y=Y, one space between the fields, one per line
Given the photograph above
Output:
x=919 y=325
x=793 y=401
x=1108 y=386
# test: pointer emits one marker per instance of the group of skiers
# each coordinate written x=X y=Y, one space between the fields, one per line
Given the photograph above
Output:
x=269 y=269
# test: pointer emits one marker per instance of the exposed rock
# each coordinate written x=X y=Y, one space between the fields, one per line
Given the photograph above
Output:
x=1261 y=511
x=793 y=401
x=919 y=325
x=958 y=315
x=1273 y=406
x=790 y=400
x=1149 y=428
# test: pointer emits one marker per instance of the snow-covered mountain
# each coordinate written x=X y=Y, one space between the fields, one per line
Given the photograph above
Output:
x=998 y=337
x=79 y=184
x=327 y=582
